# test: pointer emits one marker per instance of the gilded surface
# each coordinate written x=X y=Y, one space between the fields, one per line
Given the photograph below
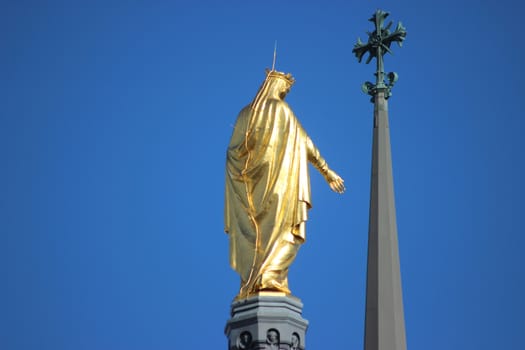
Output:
x=268 y=189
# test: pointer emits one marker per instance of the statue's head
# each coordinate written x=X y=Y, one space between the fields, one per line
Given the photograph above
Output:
x=272 y=336
x=276 y=85
x=281 y=81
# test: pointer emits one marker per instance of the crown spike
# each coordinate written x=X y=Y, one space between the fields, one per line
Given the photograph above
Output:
x=274 y=55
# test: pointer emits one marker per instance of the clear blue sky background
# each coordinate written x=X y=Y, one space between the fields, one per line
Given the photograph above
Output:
x=114 y=120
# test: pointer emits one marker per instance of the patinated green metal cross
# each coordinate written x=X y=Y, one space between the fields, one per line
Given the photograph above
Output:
x=378 y=44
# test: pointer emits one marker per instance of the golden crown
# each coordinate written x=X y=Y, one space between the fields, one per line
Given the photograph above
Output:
x=286 y=76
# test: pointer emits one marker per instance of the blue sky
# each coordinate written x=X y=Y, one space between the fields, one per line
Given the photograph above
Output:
x=115 y=117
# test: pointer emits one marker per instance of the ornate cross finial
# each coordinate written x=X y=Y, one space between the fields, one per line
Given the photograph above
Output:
x=378 y=44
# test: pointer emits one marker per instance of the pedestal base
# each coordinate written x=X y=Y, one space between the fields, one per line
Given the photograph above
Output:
x=266 y=322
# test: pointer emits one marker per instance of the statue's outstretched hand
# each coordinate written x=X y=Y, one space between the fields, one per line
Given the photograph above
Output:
x=335 y=181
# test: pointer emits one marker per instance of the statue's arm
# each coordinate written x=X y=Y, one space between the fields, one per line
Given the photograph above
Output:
x=314 y=156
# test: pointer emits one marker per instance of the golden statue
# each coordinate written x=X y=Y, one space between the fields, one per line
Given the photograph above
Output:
x=268 y=188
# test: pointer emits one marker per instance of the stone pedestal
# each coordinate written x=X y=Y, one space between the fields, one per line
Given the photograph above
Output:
x=266 y=322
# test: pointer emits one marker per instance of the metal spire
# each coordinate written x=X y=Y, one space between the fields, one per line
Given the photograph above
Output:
x=384 y=320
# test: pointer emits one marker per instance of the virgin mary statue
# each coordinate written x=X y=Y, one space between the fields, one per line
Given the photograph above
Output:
x=268 y=188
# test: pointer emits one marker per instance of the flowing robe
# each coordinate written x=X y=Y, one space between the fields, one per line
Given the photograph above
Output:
x=267 y=194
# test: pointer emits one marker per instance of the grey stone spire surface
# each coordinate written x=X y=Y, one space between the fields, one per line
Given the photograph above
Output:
x=384 y=315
